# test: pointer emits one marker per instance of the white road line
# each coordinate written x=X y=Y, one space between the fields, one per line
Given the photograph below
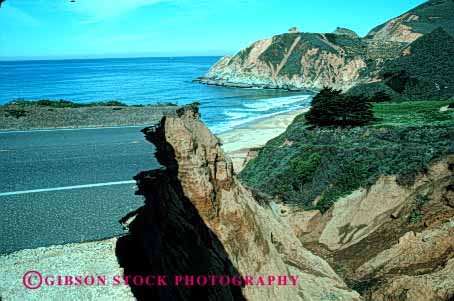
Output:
x=72 y=129
x=67 y=188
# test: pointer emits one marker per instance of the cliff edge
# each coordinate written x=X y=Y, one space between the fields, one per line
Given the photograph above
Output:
x=198 y=219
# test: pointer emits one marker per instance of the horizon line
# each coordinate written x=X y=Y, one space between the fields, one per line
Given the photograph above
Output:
x=25 y=59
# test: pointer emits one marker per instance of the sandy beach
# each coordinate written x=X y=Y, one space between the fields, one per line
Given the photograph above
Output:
x=237 y=142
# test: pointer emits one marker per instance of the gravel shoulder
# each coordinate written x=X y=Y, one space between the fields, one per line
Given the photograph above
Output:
x=83 y=259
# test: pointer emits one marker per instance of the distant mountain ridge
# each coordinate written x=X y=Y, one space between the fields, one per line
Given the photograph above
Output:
x=342 y=59
x=424 y=71
x=417 y=22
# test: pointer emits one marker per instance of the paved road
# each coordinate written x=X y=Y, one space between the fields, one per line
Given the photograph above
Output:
x=68 y=185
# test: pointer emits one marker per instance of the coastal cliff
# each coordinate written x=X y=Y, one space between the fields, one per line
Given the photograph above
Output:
x=341 y=60
x=375 y=201
x=390 y=241
x=199 y=219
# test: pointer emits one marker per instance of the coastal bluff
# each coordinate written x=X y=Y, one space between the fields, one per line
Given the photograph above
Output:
x=198 y=218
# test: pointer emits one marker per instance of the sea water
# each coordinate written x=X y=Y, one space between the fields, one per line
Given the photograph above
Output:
x=144 y=81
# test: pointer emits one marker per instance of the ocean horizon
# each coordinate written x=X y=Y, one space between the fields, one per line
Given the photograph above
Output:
x=144 y=80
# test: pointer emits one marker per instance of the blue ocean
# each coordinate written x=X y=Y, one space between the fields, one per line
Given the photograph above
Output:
x=144 y=81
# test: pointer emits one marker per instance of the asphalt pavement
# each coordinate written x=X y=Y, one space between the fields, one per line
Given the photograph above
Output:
x=62 y=186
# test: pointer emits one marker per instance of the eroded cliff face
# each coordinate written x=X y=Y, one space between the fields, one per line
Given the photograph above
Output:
x=397 y=30
x=390 y=242
x=198 y=219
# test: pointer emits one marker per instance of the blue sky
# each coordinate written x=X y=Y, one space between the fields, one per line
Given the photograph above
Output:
x=123 y=28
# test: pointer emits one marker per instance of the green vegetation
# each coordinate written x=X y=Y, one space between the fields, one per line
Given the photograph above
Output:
x=21 y=103
x=293 y=65
x=244 y=54
x=274 y=54
x=316 y=40
x=427 y=71
x=15 y=113
x=369 y=90
x=352 y=46
x=431 y=15
x=434 y=14
x=303 y=167
x=328 y=163
x=417 y=113
x=62 y=103
x=331 y=108
x=380 y=96
x=416 y=214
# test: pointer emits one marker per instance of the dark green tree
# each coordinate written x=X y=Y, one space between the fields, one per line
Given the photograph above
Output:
x=331 y=108
x=321 y=111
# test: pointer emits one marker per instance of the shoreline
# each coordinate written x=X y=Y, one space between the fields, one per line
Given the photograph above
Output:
x=240 y=142
x=226 y=84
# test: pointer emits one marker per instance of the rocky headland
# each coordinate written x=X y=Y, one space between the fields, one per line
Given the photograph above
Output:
x=343 y=60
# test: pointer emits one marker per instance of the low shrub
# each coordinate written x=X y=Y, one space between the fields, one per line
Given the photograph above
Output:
x=16 y=113
x=329 y=163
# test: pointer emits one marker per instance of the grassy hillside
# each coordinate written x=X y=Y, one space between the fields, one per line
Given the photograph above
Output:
x=303 y=164
x=427 y=71
x=424 y=71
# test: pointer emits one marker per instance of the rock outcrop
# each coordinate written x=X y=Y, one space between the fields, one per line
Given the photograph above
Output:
x=198 y=219
x=346 y=32
x=426 y=287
